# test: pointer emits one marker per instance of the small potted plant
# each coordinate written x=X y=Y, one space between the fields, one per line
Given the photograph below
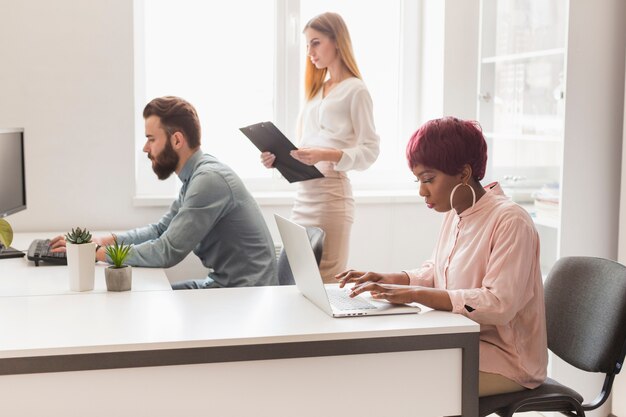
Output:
x=81 y=259
x=119 y=275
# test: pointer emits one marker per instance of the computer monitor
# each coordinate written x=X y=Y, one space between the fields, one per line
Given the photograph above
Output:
x=12 y=179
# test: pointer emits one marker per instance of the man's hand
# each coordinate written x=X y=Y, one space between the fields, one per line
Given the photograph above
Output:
x=57 y=244
x=103 y=241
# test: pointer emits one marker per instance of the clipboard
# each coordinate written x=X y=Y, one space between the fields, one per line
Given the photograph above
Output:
x=268 y=138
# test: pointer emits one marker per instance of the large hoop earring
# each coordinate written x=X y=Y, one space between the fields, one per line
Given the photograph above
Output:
x=454 y=190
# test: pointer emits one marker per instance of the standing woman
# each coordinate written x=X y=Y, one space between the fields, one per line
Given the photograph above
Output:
x=336 y=134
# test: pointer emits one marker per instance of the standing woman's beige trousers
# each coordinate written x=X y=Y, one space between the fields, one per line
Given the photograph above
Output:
x=328 y=204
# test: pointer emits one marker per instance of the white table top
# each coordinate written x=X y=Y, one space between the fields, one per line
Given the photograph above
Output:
x=20 y=277
x=151 y=320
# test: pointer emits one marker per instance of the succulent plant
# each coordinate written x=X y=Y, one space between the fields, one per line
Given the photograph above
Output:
x=118 y=252
x=78 y=236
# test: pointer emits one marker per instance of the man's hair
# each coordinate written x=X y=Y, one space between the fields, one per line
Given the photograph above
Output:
x=333 y=26
x=448 y=144
x=176 y=115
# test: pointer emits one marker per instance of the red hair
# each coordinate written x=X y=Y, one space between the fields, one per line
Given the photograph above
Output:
x=447 y=144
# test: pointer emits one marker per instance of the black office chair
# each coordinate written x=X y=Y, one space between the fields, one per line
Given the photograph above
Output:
x=316 y=236
x=586 y=322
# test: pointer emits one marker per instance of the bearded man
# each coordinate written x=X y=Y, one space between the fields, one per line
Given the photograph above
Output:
x=214 y=215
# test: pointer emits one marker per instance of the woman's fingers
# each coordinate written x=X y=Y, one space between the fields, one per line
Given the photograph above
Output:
x=348 y=276
x=267 y=159
x=364 y=287
x=308 y=156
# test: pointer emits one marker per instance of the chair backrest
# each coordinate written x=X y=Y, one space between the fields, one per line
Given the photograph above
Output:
x=316 y=236
x=586 y=312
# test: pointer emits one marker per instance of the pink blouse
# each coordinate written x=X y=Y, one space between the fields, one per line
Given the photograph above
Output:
x=487 y=259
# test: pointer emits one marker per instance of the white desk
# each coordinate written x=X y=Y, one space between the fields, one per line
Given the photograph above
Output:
x=229 y=352
x=20 y=277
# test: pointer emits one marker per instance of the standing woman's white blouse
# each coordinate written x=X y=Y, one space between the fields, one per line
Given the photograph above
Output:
x=342 y=120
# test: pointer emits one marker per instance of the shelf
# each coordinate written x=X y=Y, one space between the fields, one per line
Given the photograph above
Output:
x=523 y=56
x=550 y=222
x=541 y=220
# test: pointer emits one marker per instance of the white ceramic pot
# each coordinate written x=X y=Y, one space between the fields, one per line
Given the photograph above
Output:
x=118 y=279
x=81 y=263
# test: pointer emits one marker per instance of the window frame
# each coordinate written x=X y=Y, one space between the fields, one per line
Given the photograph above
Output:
x=287 y=103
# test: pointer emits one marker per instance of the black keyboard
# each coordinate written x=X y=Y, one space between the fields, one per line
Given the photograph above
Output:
x=39 y=251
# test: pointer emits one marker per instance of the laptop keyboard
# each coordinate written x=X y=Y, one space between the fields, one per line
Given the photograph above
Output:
x=340 y=299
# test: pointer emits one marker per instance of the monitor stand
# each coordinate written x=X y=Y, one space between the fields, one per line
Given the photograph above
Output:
x=10 y=252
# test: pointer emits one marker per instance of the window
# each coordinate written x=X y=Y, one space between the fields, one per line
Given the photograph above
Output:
x=240 y=62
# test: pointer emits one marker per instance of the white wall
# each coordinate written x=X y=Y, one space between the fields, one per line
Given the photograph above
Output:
x=619 y=389
x=450 y=65
x=460 y=50
x=67 y=79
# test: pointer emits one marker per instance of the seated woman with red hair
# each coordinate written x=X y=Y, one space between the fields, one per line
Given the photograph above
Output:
x=485 y=264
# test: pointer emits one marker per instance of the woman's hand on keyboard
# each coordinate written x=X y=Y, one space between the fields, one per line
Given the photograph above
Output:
x=396 y=294
x=360 y=277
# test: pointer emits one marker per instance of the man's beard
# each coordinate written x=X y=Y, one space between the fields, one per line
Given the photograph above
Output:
x=166 y=162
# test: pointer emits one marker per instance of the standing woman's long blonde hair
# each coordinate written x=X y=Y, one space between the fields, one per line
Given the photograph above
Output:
x=333 y=26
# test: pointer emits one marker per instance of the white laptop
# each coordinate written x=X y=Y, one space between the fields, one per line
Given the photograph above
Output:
x=330 y=298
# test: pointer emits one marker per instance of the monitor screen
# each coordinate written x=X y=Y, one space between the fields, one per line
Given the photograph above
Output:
x=12 y=178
